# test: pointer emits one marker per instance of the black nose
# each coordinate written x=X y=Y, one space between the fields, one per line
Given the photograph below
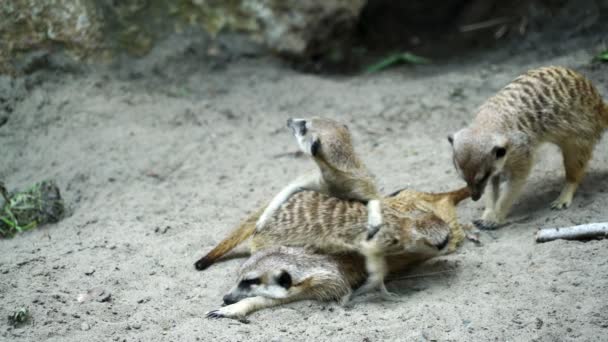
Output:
x=228 y=299
x=475 y=196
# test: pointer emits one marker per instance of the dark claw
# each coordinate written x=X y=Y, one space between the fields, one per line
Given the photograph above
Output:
x=215 y=314
x=372 y=231
x=485 y=225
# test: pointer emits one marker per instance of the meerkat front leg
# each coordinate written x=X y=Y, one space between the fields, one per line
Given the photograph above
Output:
x=244 y=307
x=377 y=269
x=575 y=162
x=491 y=197
x=374 y=218
x=312 y=181
x=515 y=181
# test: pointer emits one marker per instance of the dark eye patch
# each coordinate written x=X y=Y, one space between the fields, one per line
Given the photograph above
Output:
x=284 y=280
x=314 y=148
x=248 y=282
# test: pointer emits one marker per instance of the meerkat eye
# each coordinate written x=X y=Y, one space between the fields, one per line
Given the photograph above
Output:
x=451 y=139
x=284 y=279
x=245 y=283
x=499 y=152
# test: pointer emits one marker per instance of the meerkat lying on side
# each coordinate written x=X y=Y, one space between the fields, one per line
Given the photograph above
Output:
x=281 y=275
x=330 y=225
x=341 y=173
x=550 y=104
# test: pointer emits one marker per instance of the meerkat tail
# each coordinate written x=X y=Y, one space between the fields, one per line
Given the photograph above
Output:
x=459 y=195
x=453 y=197
x=240 y=234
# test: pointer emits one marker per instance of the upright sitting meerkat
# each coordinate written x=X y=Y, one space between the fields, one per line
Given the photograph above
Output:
x=280 y=275
x=550 y=104
x=341 y=173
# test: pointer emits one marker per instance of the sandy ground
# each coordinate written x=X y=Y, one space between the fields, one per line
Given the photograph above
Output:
x=158 y=161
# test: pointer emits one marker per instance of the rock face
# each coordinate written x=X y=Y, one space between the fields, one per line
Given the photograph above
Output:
x=299 y=28
x=96 y=28
x=30 y=25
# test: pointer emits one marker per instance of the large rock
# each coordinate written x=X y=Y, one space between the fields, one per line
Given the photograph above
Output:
x=96 y=28
x=304 y=28
x=31 y=25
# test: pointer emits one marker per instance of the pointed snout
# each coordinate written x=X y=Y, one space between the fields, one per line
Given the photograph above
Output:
x=476 y=192
x=229 y=299
x=298 y=126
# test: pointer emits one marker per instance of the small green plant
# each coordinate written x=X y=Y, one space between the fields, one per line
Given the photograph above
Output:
x=394 y=59
x=19 y=317
x=602 y=57
x=25 y=210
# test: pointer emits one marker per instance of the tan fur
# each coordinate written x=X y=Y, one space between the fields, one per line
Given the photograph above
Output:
x=341 y=175
x=550 y=104
x=340 y=172
x=329 y=224
x=314 y=276
x=343 y=172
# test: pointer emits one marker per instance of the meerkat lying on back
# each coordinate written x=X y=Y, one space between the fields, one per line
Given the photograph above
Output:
x=550 y=104
x=415 y=222
x=281 y=275
x=341 y=173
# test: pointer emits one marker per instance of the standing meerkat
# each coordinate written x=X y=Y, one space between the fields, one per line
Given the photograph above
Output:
x=550 y=104
x=281 y=275
x=340 y=172
x=415 y=222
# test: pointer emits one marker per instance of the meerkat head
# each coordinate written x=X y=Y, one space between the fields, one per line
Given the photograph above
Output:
x=271 y=273
x=477 y=156
x=422 y=233
x=326 y=140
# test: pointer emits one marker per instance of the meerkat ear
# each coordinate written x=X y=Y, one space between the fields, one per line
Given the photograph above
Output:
x=499 y=151
x=451 y=139
x=284 y=279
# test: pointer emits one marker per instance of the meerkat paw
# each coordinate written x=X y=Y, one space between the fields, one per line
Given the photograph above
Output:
x=565 y=197
x=561 y=203
x=387 y=295
x=225 y=312
x=486 y=224
x=372 y=230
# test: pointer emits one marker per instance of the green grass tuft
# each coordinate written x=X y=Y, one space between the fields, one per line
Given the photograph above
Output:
x=19 y=317
x=603 y=57
x=395 y=59
x=25 y=210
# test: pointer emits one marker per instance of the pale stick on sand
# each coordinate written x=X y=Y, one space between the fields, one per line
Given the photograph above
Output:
x=581 y=232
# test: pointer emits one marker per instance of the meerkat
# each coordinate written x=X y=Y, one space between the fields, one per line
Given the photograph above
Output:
x=340 y=171
x=550 y=104
x=330 y=225
x=281 y=275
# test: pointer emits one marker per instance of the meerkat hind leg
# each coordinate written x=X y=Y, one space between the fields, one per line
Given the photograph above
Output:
x=374 y=218
x=575 y=163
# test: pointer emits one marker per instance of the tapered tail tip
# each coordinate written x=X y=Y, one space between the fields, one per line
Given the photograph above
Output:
x=203 y=263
